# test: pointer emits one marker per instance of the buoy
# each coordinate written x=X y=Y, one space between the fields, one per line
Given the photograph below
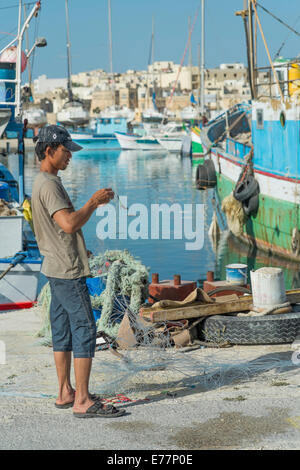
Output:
x=10 y=55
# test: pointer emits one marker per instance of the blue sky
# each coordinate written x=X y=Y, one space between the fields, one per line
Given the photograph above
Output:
x=131 y=27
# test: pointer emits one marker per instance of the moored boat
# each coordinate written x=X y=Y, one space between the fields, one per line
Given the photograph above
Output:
x=103 y=136
x=4 y=119
x=135 y=142
x=20 y=260
x=197 y=147
x=171 y=137
x=257 y=161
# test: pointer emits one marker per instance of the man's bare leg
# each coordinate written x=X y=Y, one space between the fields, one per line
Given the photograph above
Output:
x=66 y=394
x=82 y=368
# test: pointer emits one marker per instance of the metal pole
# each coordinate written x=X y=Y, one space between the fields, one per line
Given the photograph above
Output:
x=199 y=64
x=251 y=47
x=110 y=53
x=202 y=61
x=190 y=56
x=68 y=54
x=18 y=65
x=27 y=49
x=152 y=55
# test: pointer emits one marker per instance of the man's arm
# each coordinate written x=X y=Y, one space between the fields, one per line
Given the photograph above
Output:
x=71 y=221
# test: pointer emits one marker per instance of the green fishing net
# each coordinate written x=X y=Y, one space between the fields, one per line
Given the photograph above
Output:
x=126 y=285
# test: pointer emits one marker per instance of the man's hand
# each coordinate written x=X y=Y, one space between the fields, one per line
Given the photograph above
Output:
x=71 y=221
x=103 y=196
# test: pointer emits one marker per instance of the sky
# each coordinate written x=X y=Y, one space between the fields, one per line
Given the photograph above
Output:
x=131 y=32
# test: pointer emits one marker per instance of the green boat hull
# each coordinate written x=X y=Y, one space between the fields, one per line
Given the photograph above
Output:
x=272 y=228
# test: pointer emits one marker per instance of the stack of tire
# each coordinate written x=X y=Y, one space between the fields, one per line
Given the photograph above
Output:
x=206 y=175
x=247 y=192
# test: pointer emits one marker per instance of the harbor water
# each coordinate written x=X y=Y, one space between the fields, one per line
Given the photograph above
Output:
x=155 y=178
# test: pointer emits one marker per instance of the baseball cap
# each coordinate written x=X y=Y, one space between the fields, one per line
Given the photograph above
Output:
x=57 y=135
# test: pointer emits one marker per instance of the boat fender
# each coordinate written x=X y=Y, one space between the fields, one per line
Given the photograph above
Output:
x=245 y=188
x=251 y=205
x=206 y=175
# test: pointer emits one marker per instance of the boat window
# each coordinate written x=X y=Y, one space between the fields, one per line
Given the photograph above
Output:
x=117 y=121
x=282 y=118
x=259 y=119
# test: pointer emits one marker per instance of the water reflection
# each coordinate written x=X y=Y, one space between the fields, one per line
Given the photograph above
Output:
x=150 y=178
x=233 y=250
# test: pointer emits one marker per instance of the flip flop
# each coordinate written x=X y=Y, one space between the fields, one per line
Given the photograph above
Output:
x=98 y=410
x=65 y=406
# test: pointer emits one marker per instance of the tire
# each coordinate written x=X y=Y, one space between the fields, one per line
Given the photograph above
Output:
x=245 y=189
x=268 y=329
x=250 y=206
x=206 y=175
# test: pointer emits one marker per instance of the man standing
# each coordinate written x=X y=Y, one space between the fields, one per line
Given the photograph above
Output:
x=58 y=233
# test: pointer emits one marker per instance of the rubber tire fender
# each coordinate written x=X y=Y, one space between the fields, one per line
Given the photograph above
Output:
x=206 y=175
x=245 y=189
x=251 y=205
x=267 y=329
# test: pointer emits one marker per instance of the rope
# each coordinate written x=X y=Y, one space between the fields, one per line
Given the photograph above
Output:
x=267 y=50
x=285 y=40
x=278 y=19
x=16 y=6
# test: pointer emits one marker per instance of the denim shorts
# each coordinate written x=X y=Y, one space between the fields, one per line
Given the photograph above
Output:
x=72 y=321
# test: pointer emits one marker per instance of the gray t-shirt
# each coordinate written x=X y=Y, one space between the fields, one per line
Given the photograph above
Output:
x=65 y=255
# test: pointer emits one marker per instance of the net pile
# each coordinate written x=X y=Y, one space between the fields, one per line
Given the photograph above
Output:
x=126 y=286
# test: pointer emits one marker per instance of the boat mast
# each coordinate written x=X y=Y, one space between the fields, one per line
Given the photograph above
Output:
x=190 y=54
x=251 y=47
x=27 y=49
x=152 y=59
x=110 y=54
x=70 y=94
x=249 y=42
x=202 y=61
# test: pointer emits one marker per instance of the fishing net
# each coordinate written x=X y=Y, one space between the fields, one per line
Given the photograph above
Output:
x=126 y=286
x=235 y=214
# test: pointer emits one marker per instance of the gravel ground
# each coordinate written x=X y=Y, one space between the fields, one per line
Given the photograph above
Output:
x=185 y=409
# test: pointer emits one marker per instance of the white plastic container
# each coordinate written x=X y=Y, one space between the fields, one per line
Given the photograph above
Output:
x=268 y=287
x=11 y=229
x=20 y=284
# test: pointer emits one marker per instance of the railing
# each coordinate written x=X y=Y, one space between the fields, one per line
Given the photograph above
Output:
x=238 y=149
x=269 y=87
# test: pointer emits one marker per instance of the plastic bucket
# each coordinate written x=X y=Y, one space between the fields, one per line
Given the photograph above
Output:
x=236 y=274
x=268 y=287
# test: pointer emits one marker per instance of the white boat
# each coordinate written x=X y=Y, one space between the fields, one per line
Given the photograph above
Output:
x=172 y=144
x=73 y=114
x=5 y=114
x=134 y=142
x=171 y=137
x=35 y=116
x=190 y=113
x=118 y=112
x=152 y=120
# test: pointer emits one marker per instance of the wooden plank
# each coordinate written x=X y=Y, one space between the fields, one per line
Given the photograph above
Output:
x=198 y=310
